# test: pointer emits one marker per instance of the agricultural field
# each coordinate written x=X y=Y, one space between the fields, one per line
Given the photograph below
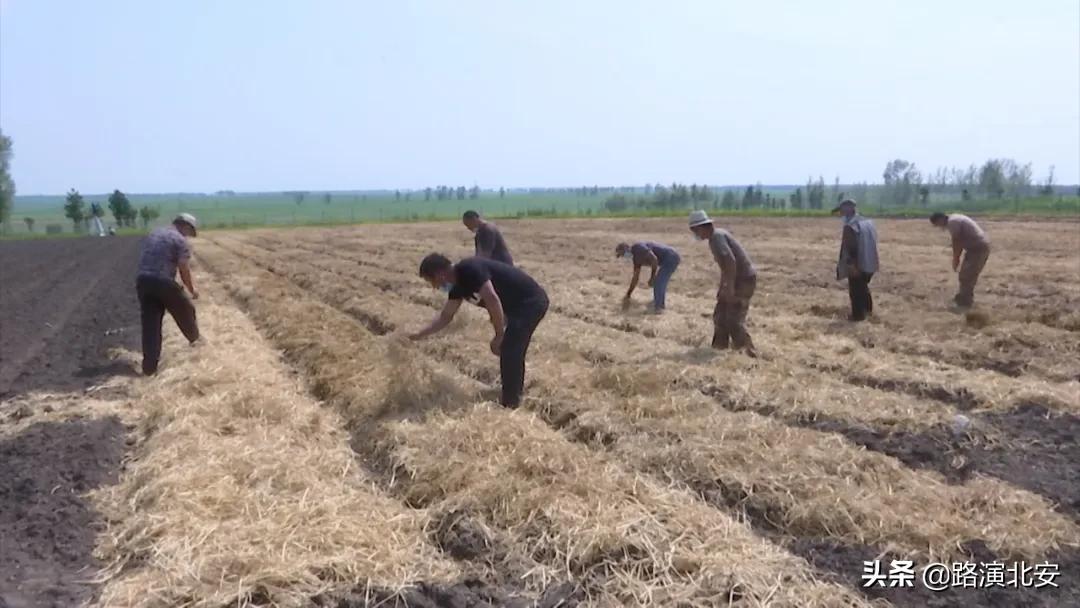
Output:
x=309 y=455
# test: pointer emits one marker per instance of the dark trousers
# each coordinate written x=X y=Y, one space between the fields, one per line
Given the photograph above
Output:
x=519 y=330
x=156 y=295
x=862 y=302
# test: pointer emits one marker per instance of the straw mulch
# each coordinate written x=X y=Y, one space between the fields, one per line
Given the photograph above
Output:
x=243 y=491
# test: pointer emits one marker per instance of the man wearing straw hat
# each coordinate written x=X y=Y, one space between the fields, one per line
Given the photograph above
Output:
x=662 y=262
x=738 y=280
x=164 y=251
x=858 y=258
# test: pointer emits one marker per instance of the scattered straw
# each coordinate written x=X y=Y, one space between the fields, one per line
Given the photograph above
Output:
x=244 y=491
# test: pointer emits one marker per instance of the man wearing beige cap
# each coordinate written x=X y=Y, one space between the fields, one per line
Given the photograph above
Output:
x=738 y=279
x=164 y=251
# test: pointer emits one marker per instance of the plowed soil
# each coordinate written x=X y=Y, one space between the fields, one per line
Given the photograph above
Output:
x=64 y=304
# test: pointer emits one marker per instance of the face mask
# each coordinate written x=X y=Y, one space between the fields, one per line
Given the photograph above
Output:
x=446 y=287
x=698 y=237
x=627 y=255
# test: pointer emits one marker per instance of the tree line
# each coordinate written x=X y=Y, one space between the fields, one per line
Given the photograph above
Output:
x=125 y=213
x=903 y=185
x=7 y=185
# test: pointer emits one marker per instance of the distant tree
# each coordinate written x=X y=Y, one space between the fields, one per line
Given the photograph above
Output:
x=1017 y=178
x=902 y=181
x=7 y=185
x=29 y=223
x=148 y=214
x=298 y=196
x=427 y=193
x=474 y=192
x=796 y=199
x=461 y=193
x=1047 y=188
x=661 y=196
x=748 y=198
x=73 y=207
x=815 y=193
x=326 y=198
x=408 y=196
x=992 y=178
x=965 y=195
x=121 y=209
x=728 y=201
x=595 y=190
x=502 y=192
x=648 y=189
x=924 y=196
x=397 y=195
x=616 y=203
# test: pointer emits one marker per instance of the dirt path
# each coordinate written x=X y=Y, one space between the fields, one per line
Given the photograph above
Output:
x=64 y=305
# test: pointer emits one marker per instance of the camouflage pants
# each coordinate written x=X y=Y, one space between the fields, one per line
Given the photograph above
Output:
x=970 y=268
x=729 y=317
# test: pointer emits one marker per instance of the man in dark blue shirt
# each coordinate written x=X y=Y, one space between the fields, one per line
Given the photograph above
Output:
x=662 y=262
x=515 y=303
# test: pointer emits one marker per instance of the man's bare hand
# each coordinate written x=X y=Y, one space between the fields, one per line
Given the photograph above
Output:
x=496 y=345
x=194 y=294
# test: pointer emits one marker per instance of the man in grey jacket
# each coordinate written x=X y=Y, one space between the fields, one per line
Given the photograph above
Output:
x=858 y=258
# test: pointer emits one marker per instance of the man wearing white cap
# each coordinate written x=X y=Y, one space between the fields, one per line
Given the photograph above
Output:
x=164 y=251
x=738 y=279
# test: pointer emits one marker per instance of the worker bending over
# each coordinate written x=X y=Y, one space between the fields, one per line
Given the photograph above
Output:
x=514 y=301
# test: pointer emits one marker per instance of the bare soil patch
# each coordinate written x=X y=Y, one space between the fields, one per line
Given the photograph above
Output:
x=47 y=527
x=64 y=305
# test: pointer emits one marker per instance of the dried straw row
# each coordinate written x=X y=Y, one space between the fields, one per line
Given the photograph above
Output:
x=628 y=539
x=242 y=490
x=817 y=483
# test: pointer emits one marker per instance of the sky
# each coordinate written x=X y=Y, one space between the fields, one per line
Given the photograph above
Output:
x=268 y=95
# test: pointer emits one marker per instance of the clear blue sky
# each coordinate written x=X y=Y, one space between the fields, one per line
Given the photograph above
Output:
x=197 y=95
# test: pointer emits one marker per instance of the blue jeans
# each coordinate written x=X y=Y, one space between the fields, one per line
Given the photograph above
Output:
x=663 y=275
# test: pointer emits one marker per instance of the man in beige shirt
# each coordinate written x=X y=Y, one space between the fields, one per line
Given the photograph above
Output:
x=971 y=241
